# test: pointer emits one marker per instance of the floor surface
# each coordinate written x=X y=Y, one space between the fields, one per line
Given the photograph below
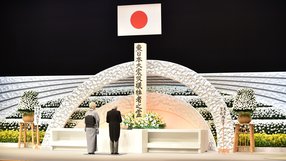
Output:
x=29 y=154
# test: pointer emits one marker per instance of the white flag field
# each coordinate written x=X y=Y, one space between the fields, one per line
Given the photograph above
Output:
x=143 y=19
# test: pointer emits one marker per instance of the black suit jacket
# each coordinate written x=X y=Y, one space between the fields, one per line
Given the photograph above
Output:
x=114 y=119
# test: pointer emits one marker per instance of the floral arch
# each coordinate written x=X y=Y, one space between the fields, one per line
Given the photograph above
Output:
x=186 y=76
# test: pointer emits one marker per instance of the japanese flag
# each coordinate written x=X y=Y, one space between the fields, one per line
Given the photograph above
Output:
x=143 y=19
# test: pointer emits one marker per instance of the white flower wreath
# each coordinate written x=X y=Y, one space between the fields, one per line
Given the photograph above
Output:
x=244 y=101
x=28 y=102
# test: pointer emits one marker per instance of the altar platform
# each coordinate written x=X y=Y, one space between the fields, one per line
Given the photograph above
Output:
x=135 y=140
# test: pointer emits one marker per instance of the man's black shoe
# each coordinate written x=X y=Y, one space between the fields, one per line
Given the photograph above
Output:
x=90 y=153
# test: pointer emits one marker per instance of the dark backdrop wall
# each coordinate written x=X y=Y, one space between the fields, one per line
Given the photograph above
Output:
x=80 y=37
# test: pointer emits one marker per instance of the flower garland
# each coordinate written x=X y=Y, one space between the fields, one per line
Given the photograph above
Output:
x=149 y=120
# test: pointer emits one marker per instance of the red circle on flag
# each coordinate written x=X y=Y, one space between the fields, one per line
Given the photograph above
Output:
x=139 y=19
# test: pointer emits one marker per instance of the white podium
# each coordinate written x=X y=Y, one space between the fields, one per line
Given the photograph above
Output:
x=135 y=140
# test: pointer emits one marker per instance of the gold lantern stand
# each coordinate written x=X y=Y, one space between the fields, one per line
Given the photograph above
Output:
x=249 y=129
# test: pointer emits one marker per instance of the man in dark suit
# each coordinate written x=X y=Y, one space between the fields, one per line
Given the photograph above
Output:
x=114 y=119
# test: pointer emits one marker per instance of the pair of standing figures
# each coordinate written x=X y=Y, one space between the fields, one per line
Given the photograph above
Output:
x=92 y=120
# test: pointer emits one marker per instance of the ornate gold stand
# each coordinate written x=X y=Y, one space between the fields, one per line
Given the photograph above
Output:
x=251 y=136
x=23 y=131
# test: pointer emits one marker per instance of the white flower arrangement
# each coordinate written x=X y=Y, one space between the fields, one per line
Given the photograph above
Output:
x=244 y=101
x=149 y=120
x=28 y=102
